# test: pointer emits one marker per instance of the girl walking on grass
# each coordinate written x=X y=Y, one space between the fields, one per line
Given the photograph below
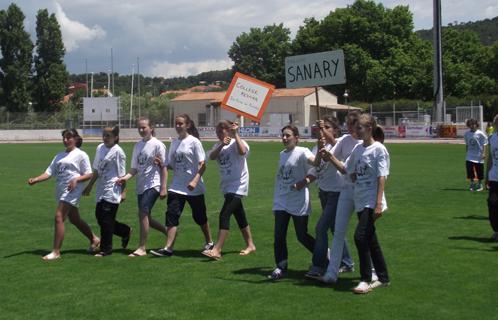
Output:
x=109 y=164
x=291 y=198
x=231 y=153
x=330 y=184
x=368 y=167
x=151 y=180
x=70 y=168
x=475 y=145
x=186 y=159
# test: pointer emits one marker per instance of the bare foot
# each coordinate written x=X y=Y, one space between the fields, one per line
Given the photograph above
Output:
x=51 y=256
x=247 y=251
x=138 y=253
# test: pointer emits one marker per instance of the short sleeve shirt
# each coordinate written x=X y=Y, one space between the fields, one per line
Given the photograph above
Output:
x=184 y=158
x=148 y=173
x=65 y=167
x=110 y=163
x=476 y=142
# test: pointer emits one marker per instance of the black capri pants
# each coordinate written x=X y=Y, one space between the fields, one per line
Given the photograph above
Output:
x=233 y=204
x=176 y=203
x=474 y=169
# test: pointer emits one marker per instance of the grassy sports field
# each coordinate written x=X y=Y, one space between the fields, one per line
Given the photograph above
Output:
x=435 y=238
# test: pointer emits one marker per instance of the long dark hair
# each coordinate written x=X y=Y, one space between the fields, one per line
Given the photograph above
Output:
x=73 y=133
x=191 y=129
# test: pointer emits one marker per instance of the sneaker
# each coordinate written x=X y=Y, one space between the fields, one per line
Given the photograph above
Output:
x=276 y=274
x=378 y=284
x=327 y=279
x=126 y=240
x=209 y=246
x=345 y=269
x=313 y=274
x=374 y=276
x=479 y=187
x=472 y=186
x=362 y=288
x=163 y=252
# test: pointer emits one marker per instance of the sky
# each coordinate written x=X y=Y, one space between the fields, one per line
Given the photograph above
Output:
x=186 y=37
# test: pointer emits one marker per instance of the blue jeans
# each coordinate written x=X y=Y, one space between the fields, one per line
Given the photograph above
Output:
x=339 y=248
x=328 y=200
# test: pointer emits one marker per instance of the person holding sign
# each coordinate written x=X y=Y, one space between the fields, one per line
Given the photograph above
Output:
x=330 y=183
x=231 y=153
x=187 y=160
x=291 y=198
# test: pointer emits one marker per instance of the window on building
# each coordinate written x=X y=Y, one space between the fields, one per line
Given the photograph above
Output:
x=201 y=120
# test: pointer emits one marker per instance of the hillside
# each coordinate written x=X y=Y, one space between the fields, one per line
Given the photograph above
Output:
x=487 y=30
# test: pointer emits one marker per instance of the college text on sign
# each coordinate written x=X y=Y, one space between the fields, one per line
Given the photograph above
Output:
x=316 y=69
x=247 y=96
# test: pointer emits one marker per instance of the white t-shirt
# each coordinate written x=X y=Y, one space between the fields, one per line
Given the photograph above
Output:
x=148 y=173
x=65 y=167
x=368 y=163
x=476 y=142
x=234 y=175
x=110 y=163
x=343 y=149
x=327 y=176
x=493 y=145
x=293 y=167
x=184 y=157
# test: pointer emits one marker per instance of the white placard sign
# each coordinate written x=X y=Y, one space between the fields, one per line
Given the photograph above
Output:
x=316 y=69
x=247 y=96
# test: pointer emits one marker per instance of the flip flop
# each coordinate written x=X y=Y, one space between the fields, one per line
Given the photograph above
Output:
x=133 y=255
x=51 y=257
x=246 y=252
x=93 y=248
x=208 y=254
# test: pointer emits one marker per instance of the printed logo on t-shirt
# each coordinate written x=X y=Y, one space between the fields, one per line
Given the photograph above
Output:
x=285 y=175
x=361 y=169
x=142 y=158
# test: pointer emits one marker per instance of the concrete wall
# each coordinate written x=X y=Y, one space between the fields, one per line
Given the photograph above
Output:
x=55 y=135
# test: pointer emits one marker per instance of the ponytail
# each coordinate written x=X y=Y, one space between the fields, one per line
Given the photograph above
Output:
x=191 y=129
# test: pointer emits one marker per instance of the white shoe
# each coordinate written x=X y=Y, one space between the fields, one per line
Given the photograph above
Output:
x=378 y=284
x=362 y=288
x=345 y=269
x=374 y=276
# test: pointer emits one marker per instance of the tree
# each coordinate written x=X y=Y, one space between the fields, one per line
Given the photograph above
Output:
x=465 y=64
x=16 y=60
x=51 y=78
x=261 y=53
x=383 y=57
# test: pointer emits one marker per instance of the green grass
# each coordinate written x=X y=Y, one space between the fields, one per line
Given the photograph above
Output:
x=434 y=237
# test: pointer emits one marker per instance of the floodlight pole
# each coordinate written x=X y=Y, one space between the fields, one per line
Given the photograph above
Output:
x=438 y=65
x=131 y=96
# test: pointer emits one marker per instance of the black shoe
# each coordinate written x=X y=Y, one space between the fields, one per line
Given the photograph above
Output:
x=125 y=240
x=162 y=252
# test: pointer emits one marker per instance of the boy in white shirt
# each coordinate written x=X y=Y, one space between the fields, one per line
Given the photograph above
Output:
x=475 y=144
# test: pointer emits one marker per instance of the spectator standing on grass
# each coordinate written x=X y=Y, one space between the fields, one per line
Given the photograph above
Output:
x=186 y=159
x=291 y=198
x=475 y=145
x=109 y=164
x=231 y=153
x=151 y=180
x=368 y=167
x=70 y=168
x=330 y=183
x=492 y=181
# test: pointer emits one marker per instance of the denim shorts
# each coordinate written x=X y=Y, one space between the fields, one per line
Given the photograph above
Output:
x=146 y=200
